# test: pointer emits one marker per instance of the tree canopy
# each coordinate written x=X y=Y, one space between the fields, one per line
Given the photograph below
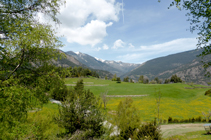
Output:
x=27 y=47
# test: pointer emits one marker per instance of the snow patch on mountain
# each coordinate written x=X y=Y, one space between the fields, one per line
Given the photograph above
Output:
x=99 y=59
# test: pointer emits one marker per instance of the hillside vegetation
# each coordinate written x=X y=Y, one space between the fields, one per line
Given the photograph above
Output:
x=177 y=101
x=186 y=65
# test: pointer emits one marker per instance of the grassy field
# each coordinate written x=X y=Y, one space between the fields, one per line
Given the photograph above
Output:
x=177 y=101
x=196 y=135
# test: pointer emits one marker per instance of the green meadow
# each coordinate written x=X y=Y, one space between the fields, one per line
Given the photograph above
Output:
x=176 y=101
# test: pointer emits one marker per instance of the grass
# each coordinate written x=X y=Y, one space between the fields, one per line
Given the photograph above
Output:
x=176 y=101
x=196 y=135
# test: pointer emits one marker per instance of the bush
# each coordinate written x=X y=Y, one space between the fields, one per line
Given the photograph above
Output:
x=81 y=112
x=118 y=80
x=170 y=120
x=59 y=92
x=127 y=118
x=153 y=82
x=175 y=79
x=208 y=92
x=150 y=131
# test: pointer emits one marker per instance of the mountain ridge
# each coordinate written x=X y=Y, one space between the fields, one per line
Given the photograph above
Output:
x=114 y=67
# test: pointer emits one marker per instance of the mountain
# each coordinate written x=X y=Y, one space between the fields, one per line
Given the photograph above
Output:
x=114 y=67
x=186 y=65
x=70 y=61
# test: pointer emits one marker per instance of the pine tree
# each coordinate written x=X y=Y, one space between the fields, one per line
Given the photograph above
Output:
x=81 y=112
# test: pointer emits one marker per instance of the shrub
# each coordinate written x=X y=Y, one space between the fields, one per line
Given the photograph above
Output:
x=170 y=120
x=118 y=80
x=175 y=79
x=59 y=92
x=150 y=131
x=81 y=112
x=127 y=118
x=208 y=92
x=153 y=82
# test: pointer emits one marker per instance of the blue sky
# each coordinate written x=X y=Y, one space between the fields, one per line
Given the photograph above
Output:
x=133 y=31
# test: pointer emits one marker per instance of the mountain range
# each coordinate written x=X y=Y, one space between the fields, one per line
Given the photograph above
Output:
x=186 y=65
x=118 y=68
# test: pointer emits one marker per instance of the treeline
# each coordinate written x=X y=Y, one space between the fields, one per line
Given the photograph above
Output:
x=190 y=120
x=173 y=79
x=76 y=72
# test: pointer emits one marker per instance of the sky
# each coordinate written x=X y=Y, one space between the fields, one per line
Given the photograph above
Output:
x=132 y=31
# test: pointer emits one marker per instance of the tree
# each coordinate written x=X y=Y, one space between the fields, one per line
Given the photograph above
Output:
x=106 y=78
x=25 y=60
x=131 y=81
x=156 y=79
x=175 y=79
x=199 y=17
x=127 y=118
x=118 y=80
x=146 y=81
x=167 y=81
x=141 y=79
x=126 y=79
x=153 y=82
x=104 y=98
x=114 y=78
x=81 y=112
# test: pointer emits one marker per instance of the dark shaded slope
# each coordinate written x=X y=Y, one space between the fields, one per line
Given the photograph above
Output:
x=186 y=65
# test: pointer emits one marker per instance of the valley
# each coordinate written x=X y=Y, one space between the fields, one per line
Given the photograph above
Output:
x=185 y=65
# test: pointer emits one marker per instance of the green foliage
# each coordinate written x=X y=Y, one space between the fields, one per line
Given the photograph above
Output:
x=153 y=82
x=175 y=79
x=157 y=80
x=131 y=81
x=104 y=98
x=208 y=92
x=177 y=101
x=126 y=79
x=149 y=131
x=127 y=118
x=167 y=81
x=141 y=79
x=25 y=65
x=81 y=111
x=199 y=17
x=114 y=78
x=146 y=81
x=189 y=120
x=79 y=72
x=118 y=80
x=106 y=78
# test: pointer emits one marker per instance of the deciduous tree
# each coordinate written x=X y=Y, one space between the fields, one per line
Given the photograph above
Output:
x=26 y=52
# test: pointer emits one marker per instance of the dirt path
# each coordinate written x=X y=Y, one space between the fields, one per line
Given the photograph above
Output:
x=176 y=129
x=126 y=95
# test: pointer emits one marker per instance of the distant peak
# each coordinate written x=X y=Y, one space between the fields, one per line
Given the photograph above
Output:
x=77 y=53
x=99 y=59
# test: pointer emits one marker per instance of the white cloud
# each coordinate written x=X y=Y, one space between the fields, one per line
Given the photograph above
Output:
x=91 y=34
x=145 y=53
x=85 y=21
x=105 y=47
x=98 y=49
x=182 y=44
x=118 y=44
x=131 y=45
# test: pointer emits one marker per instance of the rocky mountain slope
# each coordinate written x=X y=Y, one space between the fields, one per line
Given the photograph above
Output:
x=186 y=65
x=114 y=67
x=71 y=61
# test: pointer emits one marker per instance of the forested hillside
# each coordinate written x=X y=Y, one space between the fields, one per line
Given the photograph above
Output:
x=186 y=65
